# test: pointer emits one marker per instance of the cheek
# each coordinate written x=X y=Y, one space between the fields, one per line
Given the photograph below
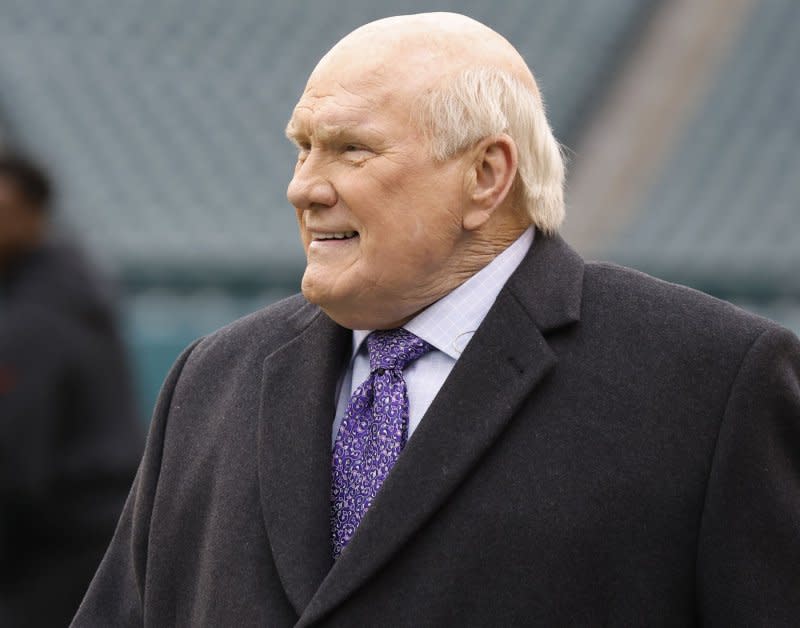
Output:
x=408 y=216
x=407 y=252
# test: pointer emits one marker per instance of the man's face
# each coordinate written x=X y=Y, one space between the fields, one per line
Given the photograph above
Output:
x=380 y=220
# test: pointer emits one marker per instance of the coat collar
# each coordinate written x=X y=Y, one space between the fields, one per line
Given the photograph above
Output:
x=299 y=386
x=504 y=362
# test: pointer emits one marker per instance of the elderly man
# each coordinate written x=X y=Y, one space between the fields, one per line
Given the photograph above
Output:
x=507 y=436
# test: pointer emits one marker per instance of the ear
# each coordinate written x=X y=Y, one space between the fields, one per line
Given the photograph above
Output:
x=494 y=170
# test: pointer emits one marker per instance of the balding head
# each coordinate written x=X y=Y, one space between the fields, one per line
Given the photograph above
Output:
x=424 y=152
x=428 y=47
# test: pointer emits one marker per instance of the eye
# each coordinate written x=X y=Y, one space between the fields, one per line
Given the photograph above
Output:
x=355 y=152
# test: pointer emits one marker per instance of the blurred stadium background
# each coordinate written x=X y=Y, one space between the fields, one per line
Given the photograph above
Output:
x=162 y=121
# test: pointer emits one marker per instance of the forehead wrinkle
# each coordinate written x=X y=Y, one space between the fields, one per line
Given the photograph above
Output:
x=348 y=94
x=327 y=123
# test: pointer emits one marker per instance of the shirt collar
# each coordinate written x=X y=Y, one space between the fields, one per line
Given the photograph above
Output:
x=450 y=323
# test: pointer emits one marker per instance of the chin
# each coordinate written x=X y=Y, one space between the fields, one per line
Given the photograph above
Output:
x=311 y=291
x=319 y=294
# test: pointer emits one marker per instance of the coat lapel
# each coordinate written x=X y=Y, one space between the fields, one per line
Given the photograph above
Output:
x=297 y=409
x=505 y=361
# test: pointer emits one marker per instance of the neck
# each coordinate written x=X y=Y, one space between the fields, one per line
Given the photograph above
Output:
x=473 y=254
x=482 y=245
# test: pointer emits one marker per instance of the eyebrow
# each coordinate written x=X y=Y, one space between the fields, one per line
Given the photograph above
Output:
x=324 y=133
x=292 y=131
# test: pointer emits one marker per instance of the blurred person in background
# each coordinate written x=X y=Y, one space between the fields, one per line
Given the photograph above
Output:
x=70 y=438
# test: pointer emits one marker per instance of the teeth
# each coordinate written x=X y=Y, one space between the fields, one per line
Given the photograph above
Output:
x=339 y=235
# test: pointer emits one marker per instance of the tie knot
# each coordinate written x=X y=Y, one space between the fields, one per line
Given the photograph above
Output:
x=394 y=348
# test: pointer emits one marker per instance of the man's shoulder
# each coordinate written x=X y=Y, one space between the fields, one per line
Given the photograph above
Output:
x=274 y=324
x=637 y=299
x=255 y=335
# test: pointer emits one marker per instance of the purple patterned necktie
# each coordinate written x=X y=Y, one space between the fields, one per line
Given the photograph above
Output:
x=373 y=431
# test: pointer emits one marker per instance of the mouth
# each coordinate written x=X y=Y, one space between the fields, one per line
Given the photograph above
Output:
x=333 y=236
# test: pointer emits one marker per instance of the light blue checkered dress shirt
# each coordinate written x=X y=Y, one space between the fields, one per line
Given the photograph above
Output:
x=448 y=325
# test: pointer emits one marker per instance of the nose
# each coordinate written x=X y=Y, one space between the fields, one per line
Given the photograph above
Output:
x=309 y=189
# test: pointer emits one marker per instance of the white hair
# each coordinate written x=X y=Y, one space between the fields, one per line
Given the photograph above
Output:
x=480 y=102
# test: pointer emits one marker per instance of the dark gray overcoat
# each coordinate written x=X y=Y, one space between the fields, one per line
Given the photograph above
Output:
x=610 y=450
